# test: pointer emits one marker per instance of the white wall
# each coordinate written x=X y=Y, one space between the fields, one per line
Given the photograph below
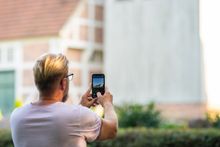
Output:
x=152 y=51
x=210 y=30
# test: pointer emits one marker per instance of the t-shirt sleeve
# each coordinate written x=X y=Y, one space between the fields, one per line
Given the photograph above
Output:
x=90 y=124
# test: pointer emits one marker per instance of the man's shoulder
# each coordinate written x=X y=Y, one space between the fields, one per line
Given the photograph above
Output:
x=17 y=112
x=18 y=109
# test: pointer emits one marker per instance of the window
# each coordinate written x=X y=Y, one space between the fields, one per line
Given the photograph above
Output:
x=7 y=54
x=10 y=55
x=97 y=56
x=9 y=81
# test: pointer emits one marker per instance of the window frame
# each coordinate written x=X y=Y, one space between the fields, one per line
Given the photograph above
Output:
x=4 y=54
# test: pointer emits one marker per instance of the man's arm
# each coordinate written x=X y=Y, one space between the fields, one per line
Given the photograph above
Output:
x=109 y=125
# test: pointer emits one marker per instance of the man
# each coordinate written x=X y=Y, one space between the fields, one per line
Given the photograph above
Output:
x=50 y=122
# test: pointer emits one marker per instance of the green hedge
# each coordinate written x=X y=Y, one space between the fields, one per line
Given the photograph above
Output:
x=141 y=137
x=136 y=115
x=5 y=138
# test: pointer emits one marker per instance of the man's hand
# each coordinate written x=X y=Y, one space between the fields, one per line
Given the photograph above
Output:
x=105 y=99
x=87 y=99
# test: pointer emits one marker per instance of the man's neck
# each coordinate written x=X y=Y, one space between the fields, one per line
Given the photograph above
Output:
x=46 y=100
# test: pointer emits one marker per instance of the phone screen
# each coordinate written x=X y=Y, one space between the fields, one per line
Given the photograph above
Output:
x=98 y=84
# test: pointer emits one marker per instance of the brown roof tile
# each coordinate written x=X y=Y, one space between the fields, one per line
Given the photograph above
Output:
x=27 y=18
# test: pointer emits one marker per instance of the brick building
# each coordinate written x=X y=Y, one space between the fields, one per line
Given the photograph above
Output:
x=31 y=28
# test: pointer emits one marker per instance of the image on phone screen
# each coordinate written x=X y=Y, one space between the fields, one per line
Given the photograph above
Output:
x=98 y=84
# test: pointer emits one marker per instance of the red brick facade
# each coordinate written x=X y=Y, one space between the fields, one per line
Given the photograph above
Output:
x=33 y=50
x=99 y=35
x=74 y=54
x=99 y=13
x=83 y=35
x=182 y=111
x=28 y=78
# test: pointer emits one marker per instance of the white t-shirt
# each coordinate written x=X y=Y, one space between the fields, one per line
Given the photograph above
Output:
x=54 y=125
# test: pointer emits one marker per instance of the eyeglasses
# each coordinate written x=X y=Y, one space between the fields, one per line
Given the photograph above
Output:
x=69 y=76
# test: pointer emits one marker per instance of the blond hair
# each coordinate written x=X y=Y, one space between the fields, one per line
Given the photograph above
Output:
x=48 y=69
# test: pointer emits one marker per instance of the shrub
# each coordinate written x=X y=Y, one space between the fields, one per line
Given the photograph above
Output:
x=199 y=123
x=142 y=137
x=216 y=123
x=213 y=119
x=5 y=138
x=138 y=115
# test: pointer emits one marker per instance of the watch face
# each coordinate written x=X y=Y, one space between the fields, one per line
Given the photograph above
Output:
x=98 y=84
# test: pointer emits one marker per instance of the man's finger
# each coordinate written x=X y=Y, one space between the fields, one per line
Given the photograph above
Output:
x=90 y=98
x=106 y=89
x=97 y=102
x=99 y=94
x=92 y=101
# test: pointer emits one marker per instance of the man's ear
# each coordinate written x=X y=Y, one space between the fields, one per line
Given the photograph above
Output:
x=63 y=84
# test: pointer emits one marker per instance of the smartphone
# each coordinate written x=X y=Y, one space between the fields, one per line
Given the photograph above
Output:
x=98 y=84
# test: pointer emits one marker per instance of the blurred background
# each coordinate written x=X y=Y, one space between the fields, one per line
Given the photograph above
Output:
x=164 y=52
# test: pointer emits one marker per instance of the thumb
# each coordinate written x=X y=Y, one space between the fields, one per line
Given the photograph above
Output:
x=99 y=94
